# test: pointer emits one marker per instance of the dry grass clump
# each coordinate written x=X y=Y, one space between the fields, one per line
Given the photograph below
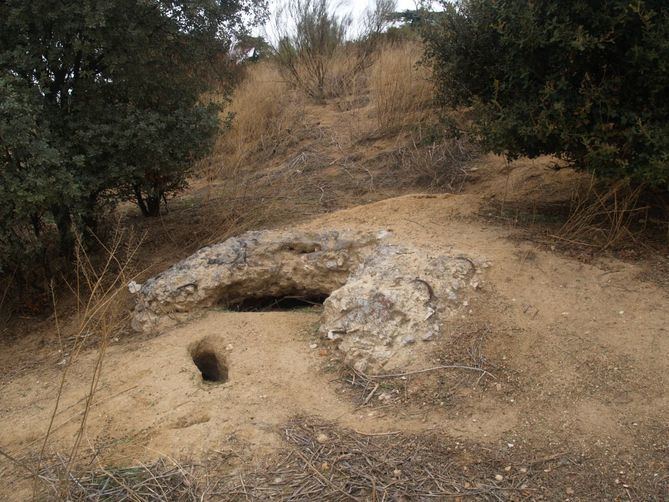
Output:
x=157 y=482
x=263 y=113
x=347 y=79
x=400 y=88
x=603 y=218
x=439 y=165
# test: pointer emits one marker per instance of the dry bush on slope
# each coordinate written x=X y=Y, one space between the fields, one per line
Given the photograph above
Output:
x=315 y=50
x=438 y=166
x=400 y=89
x=604 y=218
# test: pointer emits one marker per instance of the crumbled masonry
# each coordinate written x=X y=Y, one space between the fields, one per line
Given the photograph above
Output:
x=384 y=301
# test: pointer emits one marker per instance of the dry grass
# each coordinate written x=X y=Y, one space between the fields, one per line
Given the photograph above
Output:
x=348 y=76
x=100 y=293
x=315 y=50
x=330 y=463
x=400 y=88
x=264 y=114
x=603 y=218
x=440 y=165
x=344 y=69
x=159 y=481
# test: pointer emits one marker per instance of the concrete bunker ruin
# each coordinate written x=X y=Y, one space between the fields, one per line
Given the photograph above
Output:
x=380 y=301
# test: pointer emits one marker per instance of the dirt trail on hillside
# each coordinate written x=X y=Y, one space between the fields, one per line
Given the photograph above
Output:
x=578 y=353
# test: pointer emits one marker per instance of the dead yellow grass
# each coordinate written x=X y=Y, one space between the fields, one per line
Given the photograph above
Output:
x=603 y=218
x=348 y=74
x=264 y=111
x=400 y=88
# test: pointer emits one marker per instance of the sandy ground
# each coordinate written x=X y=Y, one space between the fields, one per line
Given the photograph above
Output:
x=579 y=353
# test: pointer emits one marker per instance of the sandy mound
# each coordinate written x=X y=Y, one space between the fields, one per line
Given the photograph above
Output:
x=577 y=354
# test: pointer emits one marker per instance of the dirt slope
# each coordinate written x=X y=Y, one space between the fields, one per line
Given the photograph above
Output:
x=578 y=353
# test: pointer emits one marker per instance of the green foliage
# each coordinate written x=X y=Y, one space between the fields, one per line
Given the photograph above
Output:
x=31 y=179
x=101 y=101
x=583 y=80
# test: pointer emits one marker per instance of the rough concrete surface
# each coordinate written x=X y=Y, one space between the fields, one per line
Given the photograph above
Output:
x=384 y=301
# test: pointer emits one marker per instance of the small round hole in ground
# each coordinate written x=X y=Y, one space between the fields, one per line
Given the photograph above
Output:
x=210 y=362
x=277 y=303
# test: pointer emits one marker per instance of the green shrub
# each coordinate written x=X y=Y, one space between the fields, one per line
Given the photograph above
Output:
x=584 y=80
x=101 y=100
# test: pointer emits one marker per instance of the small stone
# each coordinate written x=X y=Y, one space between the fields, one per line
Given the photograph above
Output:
x=322 y=438
x=499 y=477
x=385 y=396
x=570 y=491
x=313 y=345
x=498 y=386
x=523 y=470
x=507 y=468
x=397 y=473
x=133 y=287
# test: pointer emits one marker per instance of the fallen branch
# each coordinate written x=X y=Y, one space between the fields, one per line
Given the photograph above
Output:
x=435 y=368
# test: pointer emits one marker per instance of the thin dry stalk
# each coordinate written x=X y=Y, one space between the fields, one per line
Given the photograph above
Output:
x=99 y=294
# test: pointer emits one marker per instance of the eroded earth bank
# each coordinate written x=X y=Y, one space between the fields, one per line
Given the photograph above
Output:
x=405 y=327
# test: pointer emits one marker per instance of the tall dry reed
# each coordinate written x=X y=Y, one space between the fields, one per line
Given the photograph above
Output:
x=400 y=88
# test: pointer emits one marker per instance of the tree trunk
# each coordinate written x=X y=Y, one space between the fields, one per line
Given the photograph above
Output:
x=63 y=220
x=89 y=219
x=140 y=200
x=149 y=205
x=153 y=204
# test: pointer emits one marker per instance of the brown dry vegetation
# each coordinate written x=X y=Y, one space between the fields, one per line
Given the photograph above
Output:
x=400 y=88
x=287 y=159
